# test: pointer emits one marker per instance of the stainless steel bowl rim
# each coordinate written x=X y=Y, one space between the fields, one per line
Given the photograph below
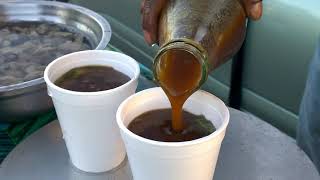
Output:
x=103 y=23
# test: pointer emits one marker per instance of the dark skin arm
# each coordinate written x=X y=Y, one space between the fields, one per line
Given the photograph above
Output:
x=151 y=10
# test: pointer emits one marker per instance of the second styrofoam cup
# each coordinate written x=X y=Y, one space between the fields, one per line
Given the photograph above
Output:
x=88 y=119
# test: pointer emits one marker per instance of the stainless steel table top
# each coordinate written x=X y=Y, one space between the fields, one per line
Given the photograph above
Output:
x=252 y=150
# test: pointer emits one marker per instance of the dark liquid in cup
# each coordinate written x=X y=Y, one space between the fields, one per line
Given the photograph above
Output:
x=92 y=79
x=156 y=125
x=179 y=75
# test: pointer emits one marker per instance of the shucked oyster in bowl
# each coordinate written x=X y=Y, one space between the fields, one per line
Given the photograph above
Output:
x=32 y=34
x=27 y=48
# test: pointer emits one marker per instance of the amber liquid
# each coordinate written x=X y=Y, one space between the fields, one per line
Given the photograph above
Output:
x=92 y=79
x=179 y=74
x=156 y=125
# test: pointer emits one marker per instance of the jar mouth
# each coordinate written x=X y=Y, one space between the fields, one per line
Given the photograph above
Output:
x=184 y=45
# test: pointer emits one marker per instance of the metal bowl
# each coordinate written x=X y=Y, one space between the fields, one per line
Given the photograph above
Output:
x=25 y=100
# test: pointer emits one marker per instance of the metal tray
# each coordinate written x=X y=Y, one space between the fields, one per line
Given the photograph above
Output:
x=24 y=100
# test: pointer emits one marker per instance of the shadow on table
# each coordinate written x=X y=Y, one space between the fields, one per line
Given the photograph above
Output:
x=119 y=173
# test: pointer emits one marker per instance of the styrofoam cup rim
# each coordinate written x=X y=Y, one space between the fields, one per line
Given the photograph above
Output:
x=126 y=58
x=217 y=132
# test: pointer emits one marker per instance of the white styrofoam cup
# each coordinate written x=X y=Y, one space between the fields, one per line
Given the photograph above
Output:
x=189 y=160
x=88 y=119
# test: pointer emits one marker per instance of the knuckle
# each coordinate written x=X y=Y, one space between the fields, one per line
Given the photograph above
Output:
x=147 y=6
x=146 y=24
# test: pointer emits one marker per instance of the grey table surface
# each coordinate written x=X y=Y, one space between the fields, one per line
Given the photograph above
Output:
x=252 y=150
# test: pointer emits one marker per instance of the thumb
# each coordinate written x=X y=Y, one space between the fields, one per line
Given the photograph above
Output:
x=253 y=9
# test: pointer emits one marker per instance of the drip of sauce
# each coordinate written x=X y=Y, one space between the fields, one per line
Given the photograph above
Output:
x=179 y=75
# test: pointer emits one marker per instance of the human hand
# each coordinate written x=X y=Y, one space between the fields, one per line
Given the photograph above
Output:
x=253 y=8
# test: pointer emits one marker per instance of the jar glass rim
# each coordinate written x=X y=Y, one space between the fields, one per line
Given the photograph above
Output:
x=185 y=45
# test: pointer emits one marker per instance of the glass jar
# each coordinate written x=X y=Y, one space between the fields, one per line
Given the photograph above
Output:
x=210 y=30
